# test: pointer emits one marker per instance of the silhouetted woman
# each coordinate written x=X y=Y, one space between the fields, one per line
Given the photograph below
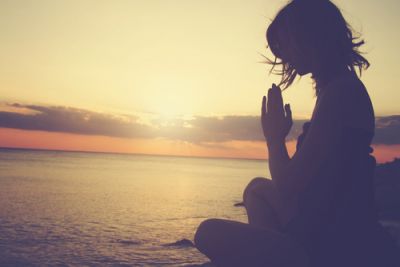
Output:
x=317 y=210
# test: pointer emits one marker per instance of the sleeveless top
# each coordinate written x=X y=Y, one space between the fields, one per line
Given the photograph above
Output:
x=337 y=222
x=342 y=190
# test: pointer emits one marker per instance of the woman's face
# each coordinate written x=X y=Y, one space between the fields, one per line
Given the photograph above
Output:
x=299 y=58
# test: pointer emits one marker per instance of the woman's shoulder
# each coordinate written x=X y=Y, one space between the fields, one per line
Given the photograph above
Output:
x=344 y=84
x=349 y=94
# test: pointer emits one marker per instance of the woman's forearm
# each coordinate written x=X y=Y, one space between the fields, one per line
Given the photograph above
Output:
x=278 y=159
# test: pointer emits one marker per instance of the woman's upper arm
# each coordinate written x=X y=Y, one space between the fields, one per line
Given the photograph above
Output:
x=320 y=142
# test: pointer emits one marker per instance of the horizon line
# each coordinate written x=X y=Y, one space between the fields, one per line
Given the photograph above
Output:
x=127 y=153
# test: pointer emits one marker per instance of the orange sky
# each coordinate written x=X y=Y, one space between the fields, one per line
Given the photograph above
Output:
x=64 y=141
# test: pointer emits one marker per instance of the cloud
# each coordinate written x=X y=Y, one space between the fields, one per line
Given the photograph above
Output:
x=220 y=129
x=200 y=130
x=387 y=130
x=73 y=120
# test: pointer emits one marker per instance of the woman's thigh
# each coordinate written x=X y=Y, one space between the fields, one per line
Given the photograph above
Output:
x=230 y=243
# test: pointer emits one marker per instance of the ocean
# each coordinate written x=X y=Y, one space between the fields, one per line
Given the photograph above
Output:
x=76 y=208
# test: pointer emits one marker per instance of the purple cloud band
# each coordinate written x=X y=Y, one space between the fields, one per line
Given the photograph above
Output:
x=199 y=129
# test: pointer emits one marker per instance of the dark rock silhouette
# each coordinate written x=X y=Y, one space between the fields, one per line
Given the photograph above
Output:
x=127 y=242
x=387 y=197
x=239 y=204
x=180 y=243
x=387 y=190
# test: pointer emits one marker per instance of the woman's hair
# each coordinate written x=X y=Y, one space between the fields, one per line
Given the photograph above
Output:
x=317 y=26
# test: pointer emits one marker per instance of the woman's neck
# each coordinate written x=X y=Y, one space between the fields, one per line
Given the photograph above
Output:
x=326 y=76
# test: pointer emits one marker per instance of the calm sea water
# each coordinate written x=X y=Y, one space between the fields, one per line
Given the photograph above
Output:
x=69 y=208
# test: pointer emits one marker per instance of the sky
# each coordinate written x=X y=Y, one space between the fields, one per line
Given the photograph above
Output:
x=176 y=77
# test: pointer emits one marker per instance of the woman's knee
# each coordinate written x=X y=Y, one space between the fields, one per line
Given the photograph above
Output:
x=204 y=234
x=250 y=189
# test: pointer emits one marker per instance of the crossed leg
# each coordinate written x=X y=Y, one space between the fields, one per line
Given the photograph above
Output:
x=259 y=243
x=230 y=243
